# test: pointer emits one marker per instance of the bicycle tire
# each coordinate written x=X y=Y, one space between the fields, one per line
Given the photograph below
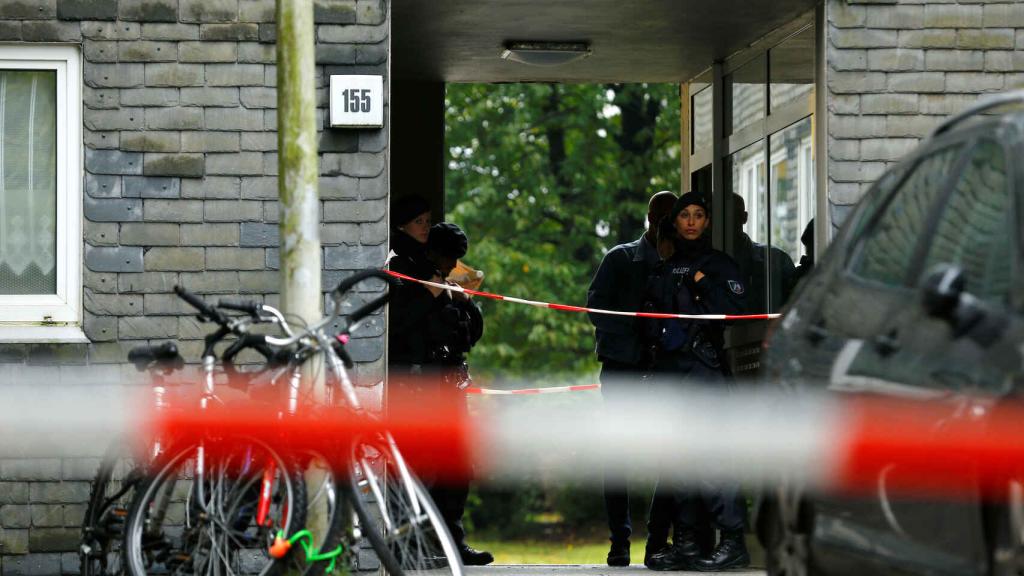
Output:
x=110 y=496
x=328 y=496
x=408 y=542
x=230 y=495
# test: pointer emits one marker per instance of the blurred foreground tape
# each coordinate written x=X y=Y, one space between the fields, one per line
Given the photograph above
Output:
x=936 y=448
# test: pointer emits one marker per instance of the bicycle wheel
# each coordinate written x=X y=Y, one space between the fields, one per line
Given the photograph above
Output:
x=192 y=518
x=397 y=515
x=323 y=501
x=112 y=491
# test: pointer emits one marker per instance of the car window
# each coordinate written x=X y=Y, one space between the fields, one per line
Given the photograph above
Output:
x=974 y=231
x=886 y=251
x=871 y=201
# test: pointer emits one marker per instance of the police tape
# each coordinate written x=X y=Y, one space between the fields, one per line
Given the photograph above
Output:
x=821 y=442
x=531 y=391
x=569 y=308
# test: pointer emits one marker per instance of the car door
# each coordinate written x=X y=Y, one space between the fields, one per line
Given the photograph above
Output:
x=917 y=355
x=854 y=533
x=975 y=232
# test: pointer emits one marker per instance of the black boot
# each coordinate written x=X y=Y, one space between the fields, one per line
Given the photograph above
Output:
x=618 y=554
x=654 y=548
x=473 y=557
x=679 y=556
x=731 y=552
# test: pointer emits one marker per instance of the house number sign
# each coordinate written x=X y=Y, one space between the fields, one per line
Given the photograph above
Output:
x=357 y=101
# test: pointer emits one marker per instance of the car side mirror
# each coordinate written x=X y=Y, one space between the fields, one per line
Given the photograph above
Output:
x=945 y=297
x=943 y=289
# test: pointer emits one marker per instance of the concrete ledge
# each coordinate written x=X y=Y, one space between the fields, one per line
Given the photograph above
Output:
x=42 y=335
x=584 y=570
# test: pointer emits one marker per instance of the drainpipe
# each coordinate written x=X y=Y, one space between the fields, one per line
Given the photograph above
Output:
x=297 y=162
x=299 y=196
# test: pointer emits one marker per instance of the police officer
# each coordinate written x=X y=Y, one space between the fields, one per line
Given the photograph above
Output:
x=695 y=279
x=619 y=285
x=754 y=260
x=411 y=303
x=454 y=327
x=432 y=330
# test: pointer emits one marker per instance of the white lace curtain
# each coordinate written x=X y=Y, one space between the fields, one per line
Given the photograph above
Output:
x=28 y=182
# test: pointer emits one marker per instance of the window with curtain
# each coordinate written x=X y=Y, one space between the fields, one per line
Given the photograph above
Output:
x=28 y=182
x=41 y=239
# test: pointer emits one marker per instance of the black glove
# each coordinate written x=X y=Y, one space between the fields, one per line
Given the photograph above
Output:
x=697 y=288
x=451 y=328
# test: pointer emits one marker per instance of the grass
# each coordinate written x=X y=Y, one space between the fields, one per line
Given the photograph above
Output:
x=579 y=552
x=543 y=552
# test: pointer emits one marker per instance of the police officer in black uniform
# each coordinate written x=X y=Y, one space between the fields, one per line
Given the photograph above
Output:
x=695 y=279
x=453 y=329
x=431 y=331
x=619 y=285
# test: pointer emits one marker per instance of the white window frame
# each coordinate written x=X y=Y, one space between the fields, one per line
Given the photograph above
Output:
x=56 y=317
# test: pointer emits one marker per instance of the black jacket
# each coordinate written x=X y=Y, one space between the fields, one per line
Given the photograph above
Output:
x=753 y=260
x=424 y=329
x=673 y=288
x=619 y=285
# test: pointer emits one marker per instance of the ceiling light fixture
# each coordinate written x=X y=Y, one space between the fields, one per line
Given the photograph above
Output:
x=543 y=53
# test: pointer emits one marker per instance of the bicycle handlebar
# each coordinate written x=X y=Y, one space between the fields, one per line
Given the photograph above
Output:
x=198 y=303
x=247 y=306
x=347 y=284
x=368 y=308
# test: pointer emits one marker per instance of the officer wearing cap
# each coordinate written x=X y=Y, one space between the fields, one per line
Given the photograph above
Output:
x=695 y=279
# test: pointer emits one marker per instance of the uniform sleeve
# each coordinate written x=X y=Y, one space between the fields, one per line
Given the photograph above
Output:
x=790 y=277
x=476 y=320
x=603 y=290
x=410 y=302
x=722 y=290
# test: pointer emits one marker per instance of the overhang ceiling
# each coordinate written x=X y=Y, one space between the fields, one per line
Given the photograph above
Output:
x=631 y=40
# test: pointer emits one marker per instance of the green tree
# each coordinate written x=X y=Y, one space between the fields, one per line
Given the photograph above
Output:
x=545 y=179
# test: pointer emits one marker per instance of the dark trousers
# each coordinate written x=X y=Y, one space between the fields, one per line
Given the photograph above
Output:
x=618 y=380
x=700 y=509
x=727 y=510
x=449 y=496
x=451 y=502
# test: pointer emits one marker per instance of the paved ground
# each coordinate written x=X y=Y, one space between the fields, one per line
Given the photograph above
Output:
x=585 y=570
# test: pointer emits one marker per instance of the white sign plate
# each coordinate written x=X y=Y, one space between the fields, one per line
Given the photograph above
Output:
x=357 y=101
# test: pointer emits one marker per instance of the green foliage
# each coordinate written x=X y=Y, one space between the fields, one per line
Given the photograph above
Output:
x=545 y=178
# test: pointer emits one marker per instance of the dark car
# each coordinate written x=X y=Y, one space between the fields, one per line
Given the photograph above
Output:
x=919 y=296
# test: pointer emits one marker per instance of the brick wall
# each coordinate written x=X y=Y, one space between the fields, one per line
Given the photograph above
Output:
x=180 y=188
x=896 y=70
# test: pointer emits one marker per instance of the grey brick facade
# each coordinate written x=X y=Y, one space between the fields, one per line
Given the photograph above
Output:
x=180 y=171
x=896 y=69
x=179 y=185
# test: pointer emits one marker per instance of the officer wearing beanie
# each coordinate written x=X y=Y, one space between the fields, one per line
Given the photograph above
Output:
x=695 y=279
x=411 y=302
x=454 y=326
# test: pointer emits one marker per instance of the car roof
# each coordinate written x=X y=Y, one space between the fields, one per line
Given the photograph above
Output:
x=995 y=110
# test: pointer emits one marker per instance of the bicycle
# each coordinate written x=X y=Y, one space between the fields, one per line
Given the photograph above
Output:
x=118 y=475
x=213 y=504
x=392 y=508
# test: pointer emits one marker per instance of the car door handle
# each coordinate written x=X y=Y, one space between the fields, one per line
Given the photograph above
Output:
x=816 y=332
x=888 y=343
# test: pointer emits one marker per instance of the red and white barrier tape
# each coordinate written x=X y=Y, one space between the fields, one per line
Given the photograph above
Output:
x=568 y=308
x=826 y=442
x=530 y=391
x=842 y=444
